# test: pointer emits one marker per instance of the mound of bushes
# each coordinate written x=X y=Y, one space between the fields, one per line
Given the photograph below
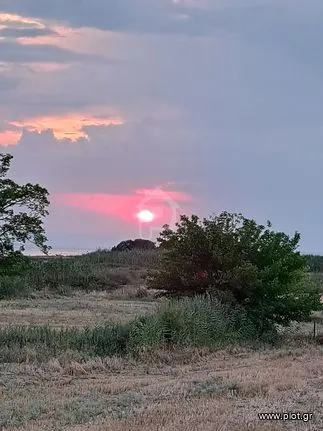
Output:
x=136 y=244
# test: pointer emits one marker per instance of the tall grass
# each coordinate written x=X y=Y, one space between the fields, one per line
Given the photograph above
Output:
x=133 y=258
x=99 y=270
x=315 y=262
x=318 y=279
x=197 y=322
x=13 y=286
x=74 y=273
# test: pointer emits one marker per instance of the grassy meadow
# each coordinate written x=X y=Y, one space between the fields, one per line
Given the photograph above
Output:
x=85 y=346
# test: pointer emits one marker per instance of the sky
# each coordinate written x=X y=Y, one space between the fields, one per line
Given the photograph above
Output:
x=174 y=107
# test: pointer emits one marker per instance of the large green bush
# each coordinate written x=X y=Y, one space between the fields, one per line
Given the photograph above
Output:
x=241 y=262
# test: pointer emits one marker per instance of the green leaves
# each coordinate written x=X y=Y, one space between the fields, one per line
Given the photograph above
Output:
x=5 y=160
x=231 y=256
x=22 y=209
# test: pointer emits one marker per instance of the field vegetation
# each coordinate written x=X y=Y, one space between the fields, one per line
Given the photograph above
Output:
x=116 y=357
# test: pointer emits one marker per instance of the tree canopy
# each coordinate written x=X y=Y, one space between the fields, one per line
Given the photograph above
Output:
x=22 y=210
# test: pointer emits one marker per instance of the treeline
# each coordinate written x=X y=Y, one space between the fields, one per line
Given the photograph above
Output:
x=315 y=262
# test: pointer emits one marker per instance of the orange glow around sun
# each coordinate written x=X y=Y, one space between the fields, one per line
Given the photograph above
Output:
x=69 y=126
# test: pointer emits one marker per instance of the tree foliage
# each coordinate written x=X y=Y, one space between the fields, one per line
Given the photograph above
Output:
x=236 y=259
x=22 y=209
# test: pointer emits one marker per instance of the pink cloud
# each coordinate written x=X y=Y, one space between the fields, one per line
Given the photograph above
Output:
x=66 y=126
x=19 y=21
x=9 y=137
x=164 y=204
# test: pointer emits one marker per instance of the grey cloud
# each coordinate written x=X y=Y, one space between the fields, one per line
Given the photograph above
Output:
x=26 y=32
x=158 y=16
x=290 y=28
x=225 y=85
x=132 y=149
x=145 y=16
x=291 y=31
x=232 y=83
x=7 y=83
x=11 y=51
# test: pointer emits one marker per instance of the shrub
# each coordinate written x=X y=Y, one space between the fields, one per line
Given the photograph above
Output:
x=13 y=286
x=137 y=244
x=237 y=260
x=198 y=322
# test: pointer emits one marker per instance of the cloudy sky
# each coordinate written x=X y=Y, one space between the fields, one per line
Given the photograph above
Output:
x=186 y=106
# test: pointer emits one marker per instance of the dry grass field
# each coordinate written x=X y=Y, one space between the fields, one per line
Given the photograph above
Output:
x=80 y=309
x=188 y=390
x=181 y=390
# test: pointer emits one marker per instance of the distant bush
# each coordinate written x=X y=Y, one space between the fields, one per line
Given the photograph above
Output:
x=137 y=244
x=133 y=258
x=241 y=262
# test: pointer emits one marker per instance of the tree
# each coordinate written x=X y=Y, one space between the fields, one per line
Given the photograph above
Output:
x=22 y=208
x=234 y=258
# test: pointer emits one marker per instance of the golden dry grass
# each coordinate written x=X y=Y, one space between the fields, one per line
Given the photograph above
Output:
x=78 y=310
x=188 y=391
x=183 y=390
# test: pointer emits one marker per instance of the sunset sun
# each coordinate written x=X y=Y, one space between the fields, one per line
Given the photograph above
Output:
x=145 y=216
